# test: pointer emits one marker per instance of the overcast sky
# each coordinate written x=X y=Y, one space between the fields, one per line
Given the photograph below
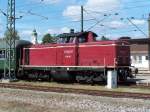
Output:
x=105 y=17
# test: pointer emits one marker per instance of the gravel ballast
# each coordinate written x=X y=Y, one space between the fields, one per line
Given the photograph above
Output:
x=14 y=100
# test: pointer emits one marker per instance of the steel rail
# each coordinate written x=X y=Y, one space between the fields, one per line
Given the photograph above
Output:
x=113 y=94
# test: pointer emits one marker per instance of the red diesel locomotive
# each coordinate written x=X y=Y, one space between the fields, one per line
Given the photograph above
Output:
x=78 y=57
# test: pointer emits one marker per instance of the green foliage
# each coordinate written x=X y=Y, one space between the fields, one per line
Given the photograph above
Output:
x=7 y=35
x=47 y=38
x=104 y=38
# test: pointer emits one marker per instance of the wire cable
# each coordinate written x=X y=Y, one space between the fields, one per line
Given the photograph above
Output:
x=137 y=28
x=3 y=12
x=125 y=8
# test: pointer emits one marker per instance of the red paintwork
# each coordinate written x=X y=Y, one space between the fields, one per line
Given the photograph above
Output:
x=101 y=53
x=97 y=56
x=90 y=37
x=105 y=55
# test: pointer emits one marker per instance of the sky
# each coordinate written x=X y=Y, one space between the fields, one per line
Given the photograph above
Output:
x=110 y=18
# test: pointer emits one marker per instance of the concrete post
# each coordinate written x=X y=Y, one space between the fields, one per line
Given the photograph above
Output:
x=111 y=79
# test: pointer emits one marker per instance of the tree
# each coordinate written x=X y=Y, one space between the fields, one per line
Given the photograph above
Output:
x=47 y=38
x=7 y=35
x=104 y=38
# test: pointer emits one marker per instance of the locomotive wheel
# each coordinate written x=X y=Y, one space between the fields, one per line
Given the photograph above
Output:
x=62 y=76
x=84 y=79
x=80 y=79
x=122 y=77
x=90 y=79
x=1 y=74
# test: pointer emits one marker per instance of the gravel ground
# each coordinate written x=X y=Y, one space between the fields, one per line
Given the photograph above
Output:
x=12 y=100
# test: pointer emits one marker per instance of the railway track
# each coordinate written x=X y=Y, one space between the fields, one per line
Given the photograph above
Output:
x=77 y=91
x=134 y=85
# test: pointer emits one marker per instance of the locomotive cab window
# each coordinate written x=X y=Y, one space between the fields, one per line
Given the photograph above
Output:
x=27 y=56
x=63 y=40
x=71 y=40
x=66 y=40
x=79 y=37
x=2 y=54
x=82 y=39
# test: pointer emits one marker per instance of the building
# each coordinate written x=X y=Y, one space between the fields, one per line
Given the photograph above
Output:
x=139 y=56
x=34 y=37
x=140 y=53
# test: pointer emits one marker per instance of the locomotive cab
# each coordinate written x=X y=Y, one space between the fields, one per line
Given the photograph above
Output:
x=81 y=37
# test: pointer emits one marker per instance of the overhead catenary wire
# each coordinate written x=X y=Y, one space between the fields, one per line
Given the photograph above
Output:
x=67 y=21
x=137 y=28
x=98 y=21
x=94 y=19
x=115 y=29
x=44 y=17
x=52 y=12
x=34 y=14
x=7 y=15
x=112 y=10
x=29 y=4
x=118 y=32
x=128 y=20
x=133 y=2
x=40 y=2
x=3 y=12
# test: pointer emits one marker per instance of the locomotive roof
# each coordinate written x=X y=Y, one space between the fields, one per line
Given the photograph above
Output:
x=78 y=34
x=108 y=42
x=18 y=43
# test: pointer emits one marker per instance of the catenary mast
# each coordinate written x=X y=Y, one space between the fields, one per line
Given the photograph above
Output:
x=10 y=57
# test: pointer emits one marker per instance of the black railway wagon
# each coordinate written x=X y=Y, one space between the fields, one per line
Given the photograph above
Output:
x=18 y=49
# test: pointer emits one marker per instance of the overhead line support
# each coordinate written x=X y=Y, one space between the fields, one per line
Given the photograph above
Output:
x=10 y=57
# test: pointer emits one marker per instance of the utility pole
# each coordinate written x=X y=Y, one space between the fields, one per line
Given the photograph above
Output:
x=10 y=57
x=82 y=26
x=149 y=41
x=149 y=25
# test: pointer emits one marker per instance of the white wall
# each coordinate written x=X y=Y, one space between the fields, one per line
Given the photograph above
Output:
x=139 y=63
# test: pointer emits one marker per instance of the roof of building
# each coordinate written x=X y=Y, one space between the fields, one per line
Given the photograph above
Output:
x=137 y=41
x=136 y=48
x=138 y=45
x=140 y=41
